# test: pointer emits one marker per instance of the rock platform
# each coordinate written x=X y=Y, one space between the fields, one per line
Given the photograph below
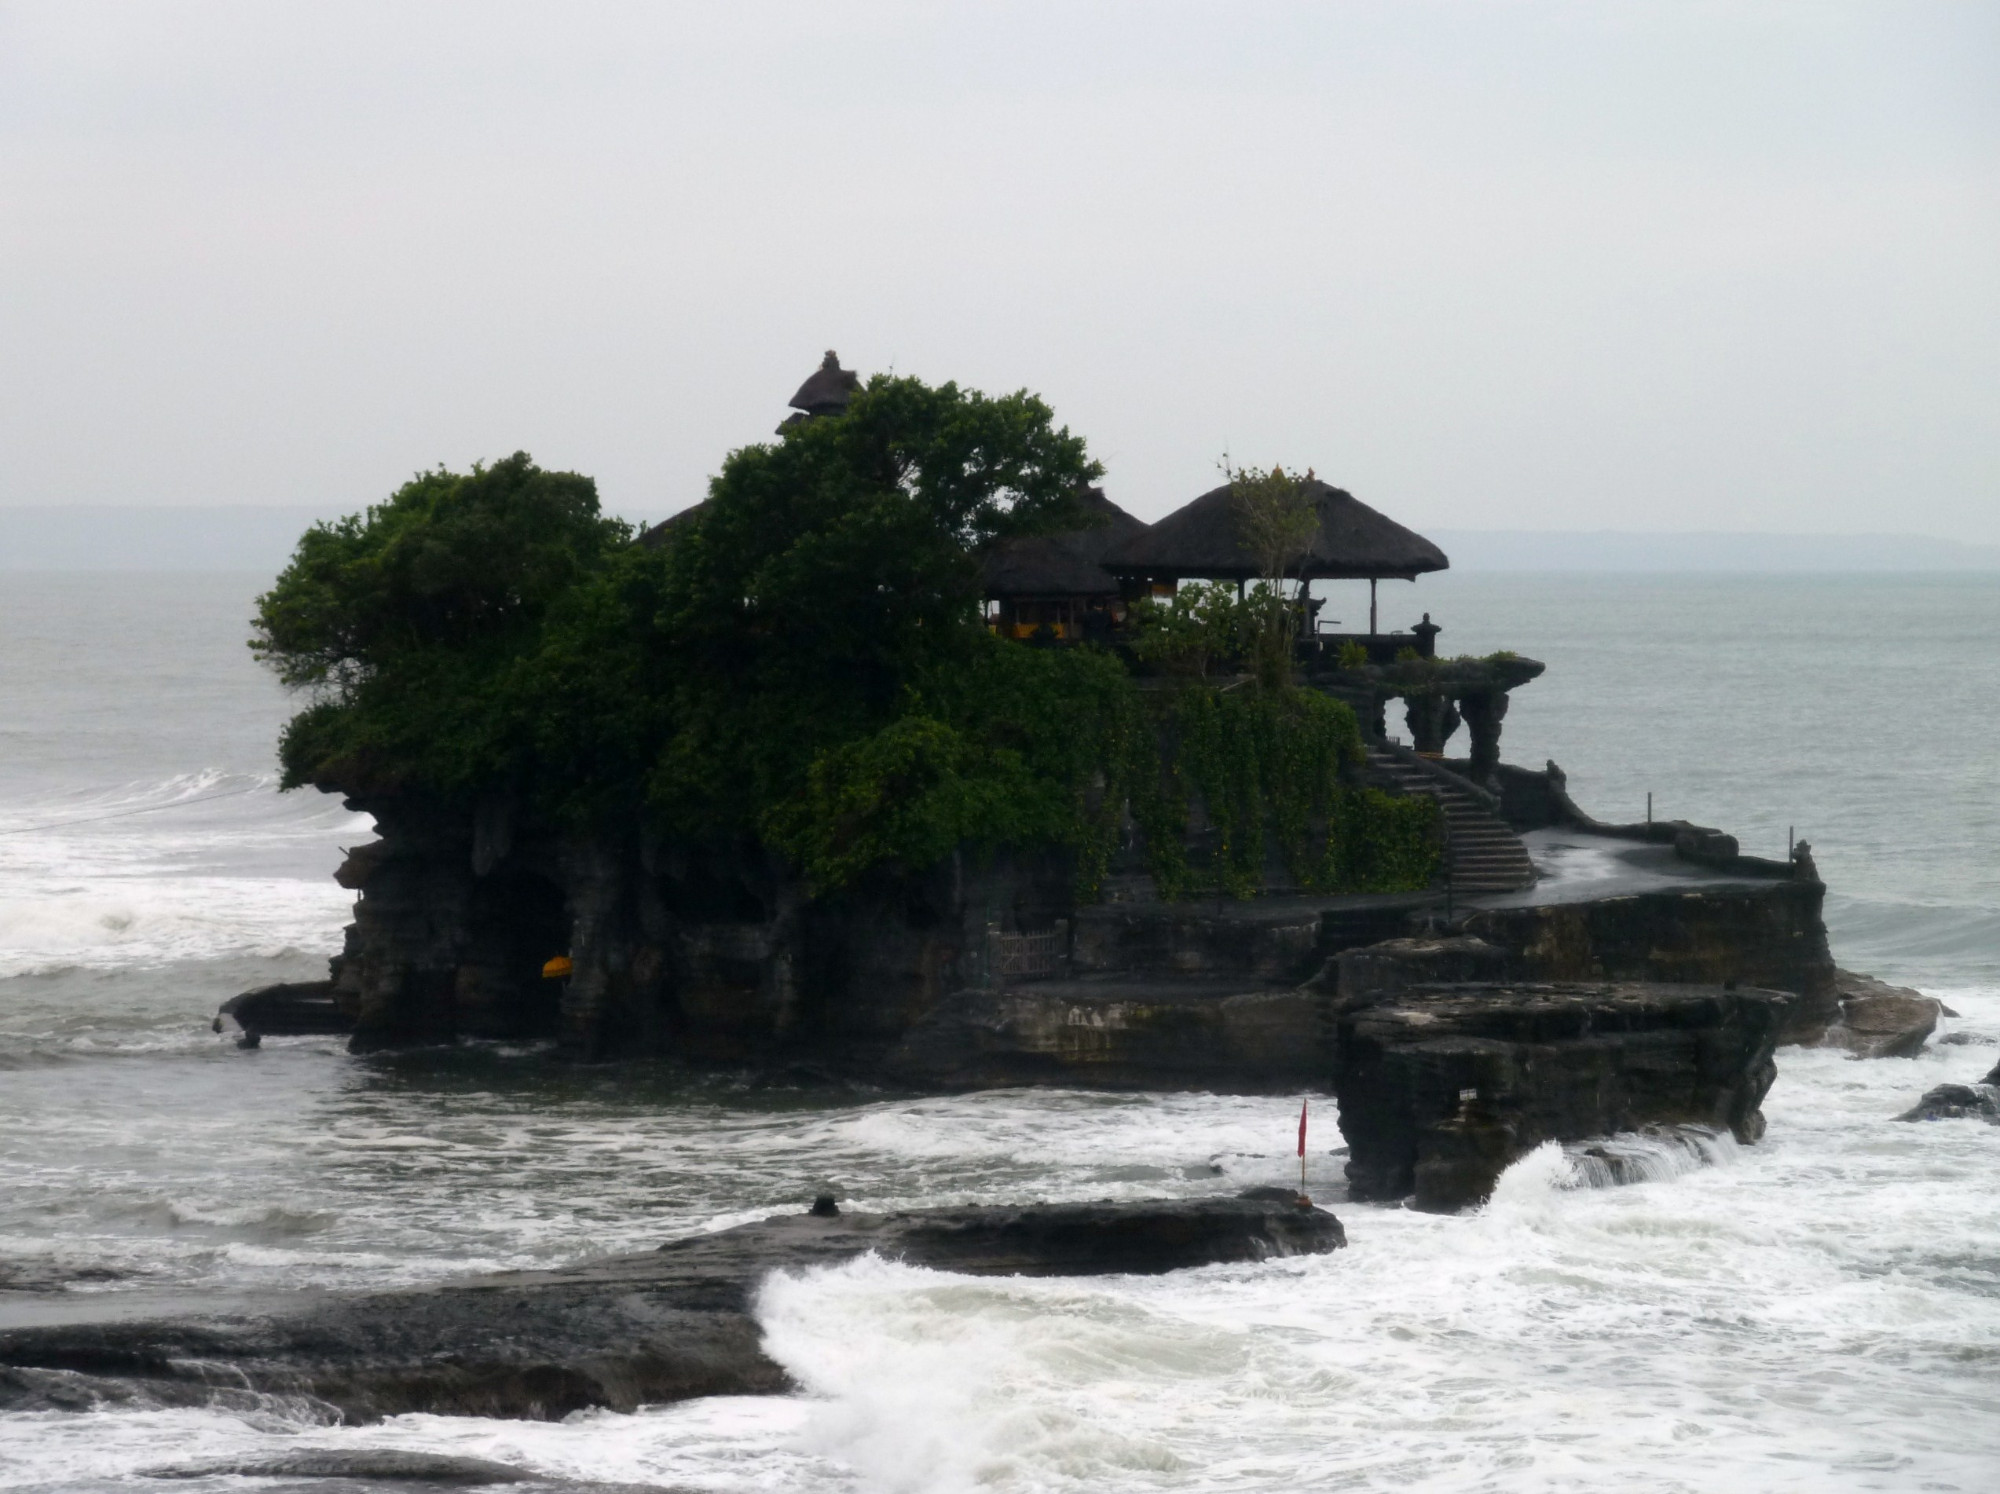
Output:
x=619 y=1332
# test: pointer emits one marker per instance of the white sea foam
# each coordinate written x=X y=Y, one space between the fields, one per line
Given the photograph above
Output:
x=1747 y=1326
x=101 y=926
x=197 y=866
x=1820 y=1311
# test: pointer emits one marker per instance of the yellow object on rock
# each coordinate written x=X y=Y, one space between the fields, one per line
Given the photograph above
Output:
x=559 y=967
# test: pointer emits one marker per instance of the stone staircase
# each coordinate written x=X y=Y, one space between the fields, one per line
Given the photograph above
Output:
x=1484 y=853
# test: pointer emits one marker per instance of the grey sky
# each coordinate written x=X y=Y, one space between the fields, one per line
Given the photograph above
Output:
x=1673 y=266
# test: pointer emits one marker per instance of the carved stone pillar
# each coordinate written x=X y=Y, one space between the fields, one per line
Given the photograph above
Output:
x=1432 y=719
x=1483 y=714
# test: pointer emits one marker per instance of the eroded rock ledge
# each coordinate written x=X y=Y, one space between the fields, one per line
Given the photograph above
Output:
x=619 y=1332
x=1443 y=1086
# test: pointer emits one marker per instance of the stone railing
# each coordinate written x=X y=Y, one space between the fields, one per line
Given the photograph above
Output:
x=1036 y=955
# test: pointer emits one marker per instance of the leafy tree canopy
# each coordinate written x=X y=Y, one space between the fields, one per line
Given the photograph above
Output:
x=831 y=582
x=449 y=561
x=799 y=662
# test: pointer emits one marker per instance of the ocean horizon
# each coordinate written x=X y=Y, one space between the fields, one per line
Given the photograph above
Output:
x=260 y=537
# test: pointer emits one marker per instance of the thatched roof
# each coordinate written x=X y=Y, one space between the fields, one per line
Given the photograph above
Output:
x=1201 y=540
x=655 y=535
x=1042 y=565
x=829 y=389
x=1065 y=564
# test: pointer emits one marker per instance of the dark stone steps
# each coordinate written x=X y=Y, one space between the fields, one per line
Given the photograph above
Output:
x=1485 y=855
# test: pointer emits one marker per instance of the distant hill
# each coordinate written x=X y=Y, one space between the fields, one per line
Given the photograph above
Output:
x=135 y=538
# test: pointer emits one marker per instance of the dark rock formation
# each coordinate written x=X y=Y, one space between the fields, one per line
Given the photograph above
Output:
x=1159 y=1033
x=1441 y=1087
x=986 y=971
x=42 y=1275
x=667 y=1325
x=713 y=956
x=1769 y=935
x=1878 y=1020
x=1431 y=720
x=383 y=1465
x=1185 y=997
x=1373 y=971
x=290 y=1009
x=976 y=970
x=1979 y=1101
x=1267 y=939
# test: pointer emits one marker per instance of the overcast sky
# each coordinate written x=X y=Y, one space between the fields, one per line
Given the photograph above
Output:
x=1642 y=266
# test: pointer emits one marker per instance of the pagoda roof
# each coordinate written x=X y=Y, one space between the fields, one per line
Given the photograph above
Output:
x=1202 y=540
x=829 y=389
x=1066 y=564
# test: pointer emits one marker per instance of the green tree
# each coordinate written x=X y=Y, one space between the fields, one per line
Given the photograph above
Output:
x=828 y=585
x=409 y=623
x=1202 y=626
x=450 y=559
x=1276 y=519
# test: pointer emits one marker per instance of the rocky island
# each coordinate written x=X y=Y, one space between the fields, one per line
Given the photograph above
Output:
x=909 y=756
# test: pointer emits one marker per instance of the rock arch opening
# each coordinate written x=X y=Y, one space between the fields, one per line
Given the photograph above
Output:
x=518 y=921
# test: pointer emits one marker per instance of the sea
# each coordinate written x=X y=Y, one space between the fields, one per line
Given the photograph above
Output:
x=1816 y=1313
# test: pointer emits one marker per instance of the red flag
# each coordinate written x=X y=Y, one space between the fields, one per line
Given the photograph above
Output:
x=1302 y=1127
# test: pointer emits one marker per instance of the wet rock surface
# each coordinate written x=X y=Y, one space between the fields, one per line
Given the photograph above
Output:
x=1958 y=1102
x=1162 y=1033
x=1979 y=1101
x=373 y=1464
x=1441 y=1087
x=1376 y=970
x=1769 y=936
x=619 y=1332
x=288 y=1009
x=1878 y=1020
x=51 y=1276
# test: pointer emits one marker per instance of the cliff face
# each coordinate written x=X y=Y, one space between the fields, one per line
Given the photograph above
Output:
x=1562 y=1020
x=1441 y=1087
x=1769 y=935
x=974 y=971
x=712 y=957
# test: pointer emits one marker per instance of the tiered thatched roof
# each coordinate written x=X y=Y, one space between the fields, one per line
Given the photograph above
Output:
x=1201 y=539
x=829 y=389
x=827 y=392
x=1065 y=564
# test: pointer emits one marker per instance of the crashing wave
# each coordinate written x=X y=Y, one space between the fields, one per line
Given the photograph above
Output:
x=1657 y=1154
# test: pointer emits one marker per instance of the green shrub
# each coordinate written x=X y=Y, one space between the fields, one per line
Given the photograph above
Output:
x=1203 y=626
x=1269 y=767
